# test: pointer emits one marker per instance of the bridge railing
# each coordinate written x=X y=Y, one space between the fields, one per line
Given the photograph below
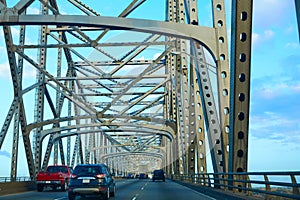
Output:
x=261 y=184
x=17 y=179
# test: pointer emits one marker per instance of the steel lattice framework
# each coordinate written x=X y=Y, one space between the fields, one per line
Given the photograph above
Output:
x=133 y=92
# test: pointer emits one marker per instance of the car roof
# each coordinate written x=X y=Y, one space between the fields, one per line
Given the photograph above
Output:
x=89 y=165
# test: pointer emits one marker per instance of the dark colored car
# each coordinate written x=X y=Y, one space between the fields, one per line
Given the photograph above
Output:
x=91 y=179
x=143 y=176
x=158 y=175
x=130 y=176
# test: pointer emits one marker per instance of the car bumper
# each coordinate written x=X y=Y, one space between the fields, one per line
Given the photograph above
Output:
x=49 y=182
x=94 y=190
x=158 y=178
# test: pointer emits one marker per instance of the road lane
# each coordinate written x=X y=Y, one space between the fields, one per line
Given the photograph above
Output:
x=159 y=190
x=127 y=189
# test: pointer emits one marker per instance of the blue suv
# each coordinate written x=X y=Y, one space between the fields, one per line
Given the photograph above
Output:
x=158 y=175
x=91 y=179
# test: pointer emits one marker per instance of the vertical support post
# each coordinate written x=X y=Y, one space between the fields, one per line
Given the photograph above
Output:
x=16 y=129
x=267 y=186
x=55 y=151
x=18 y=101
x=171 y=69
x=297 y=5
x=75 y=151
x=40 y=92
x=199 y=124
x=177 y=14
x=15 y=145
x=69 y=137
x=80 y=150
x=240 y=84
x=223 y=76
x=295 y=188
x=58 y=74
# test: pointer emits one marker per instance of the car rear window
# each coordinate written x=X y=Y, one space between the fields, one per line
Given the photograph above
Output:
x=54 y=169
x=86 y=170
x=158 y=172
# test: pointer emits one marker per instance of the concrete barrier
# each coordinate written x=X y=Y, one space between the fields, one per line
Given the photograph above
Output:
x=16 y=187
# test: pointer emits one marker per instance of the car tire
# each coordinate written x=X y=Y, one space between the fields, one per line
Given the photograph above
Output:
x=40 y=188
x=64 y=186
x=112 y=194
x=106 y=195
x=71 y=196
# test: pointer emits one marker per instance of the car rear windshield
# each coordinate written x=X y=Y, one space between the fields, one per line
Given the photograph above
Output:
x=158 y=172
x=54 y=169
x=87 y=170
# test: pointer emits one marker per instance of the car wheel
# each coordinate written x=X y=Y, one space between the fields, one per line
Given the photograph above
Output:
x=64 y=186
x=40 y=188
x=106 y=195
x=71 y=196
x=112 y=194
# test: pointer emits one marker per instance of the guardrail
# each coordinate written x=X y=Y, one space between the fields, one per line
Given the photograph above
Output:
x=10 y=185
x=17 y=179
x=260 y=184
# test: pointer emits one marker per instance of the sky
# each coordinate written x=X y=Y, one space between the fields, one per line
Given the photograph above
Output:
x=274 y=129
x=275 y=87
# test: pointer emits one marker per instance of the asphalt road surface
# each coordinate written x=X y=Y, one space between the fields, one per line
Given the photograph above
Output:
x=127 y=189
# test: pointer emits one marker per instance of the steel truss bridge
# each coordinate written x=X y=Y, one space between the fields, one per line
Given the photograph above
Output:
x=146 y=88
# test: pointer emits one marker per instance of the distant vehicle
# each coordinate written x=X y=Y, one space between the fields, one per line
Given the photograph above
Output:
x=54 y=176
x=129 y=176
x=91 y=179
x=143 y=176
x=158 y=175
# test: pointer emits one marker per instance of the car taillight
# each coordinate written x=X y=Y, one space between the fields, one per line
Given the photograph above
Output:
x=73 y=175
x=100 y=175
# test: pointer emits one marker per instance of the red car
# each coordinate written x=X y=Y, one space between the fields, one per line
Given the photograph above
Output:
x=54 y=176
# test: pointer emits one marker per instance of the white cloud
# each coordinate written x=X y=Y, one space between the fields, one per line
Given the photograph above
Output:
x=296 y=87
x=266 y=154
x=292 y=45
x=273 y=90
x=4 y=70
x=259 y=39
x=28 y=71
x=14 y=31
x=156 y=55
x=290 y=29
x=2 y=50
x=5 y=166
x=268 y=34
x=32 y=10
x=275 y=126
x=255 y=38
x=269 y=119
